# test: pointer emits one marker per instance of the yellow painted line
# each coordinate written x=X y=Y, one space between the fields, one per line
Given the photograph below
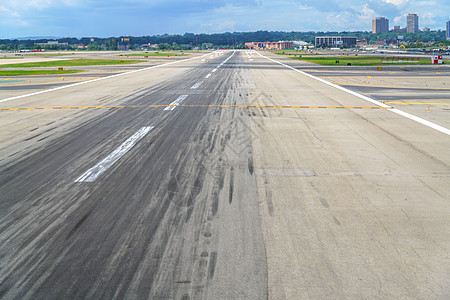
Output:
x=61 y=77
x=193 y=106
x=7 y=79
x=369 y=76
x=387 y=86
x=415 y=103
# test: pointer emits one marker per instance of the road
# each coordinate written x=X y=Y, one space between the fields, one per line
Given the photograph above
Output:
x=224 y=176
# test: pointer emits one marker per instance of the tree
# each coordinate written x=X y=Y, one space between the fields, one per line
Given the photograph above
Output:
x=94 y=47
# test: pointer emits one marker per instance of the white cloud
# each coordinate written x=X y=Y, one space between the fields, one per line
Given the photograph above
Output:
x=367 y=13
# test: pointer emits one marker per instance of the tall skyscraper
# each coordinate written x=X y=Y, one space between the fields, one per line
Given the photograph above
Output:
x=412 y=23
x=447 y=35
x=380 y=25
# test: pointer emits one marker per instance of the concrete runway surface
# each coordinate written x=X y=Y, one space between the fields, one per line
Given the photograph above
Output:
x=222 y=176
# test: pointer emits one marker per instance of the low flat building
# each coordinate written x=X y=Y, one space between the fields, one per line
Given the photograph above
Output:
x=335 y=41
x=52 y=43
x=269 y=45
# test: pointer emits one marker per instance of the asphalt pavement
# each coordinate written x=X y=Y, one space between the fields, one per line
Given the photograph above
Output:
x=222 y=176
x=172 y=218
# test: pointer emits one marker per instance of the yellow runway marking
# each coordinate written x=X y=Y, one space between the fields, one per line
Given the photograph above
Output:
x=369 y=76
x=186 y=105
x=414 y=103
x=387 y=86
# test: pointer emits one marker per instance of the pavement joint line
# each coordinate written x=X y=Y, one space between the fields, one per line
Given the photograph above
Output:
x=98 y=79
x=389 y=108
x=175 y=104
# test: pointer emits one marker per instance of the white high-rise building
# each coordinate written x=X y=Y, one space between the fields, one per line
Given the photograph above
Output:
x=447 y=33
x=412 y=23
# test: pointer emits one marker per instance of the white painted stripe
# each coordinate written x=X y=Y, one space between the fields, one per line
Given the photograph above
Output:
x=195 y=86
x=390 y=108
x=97 y=79
x=214 y=70
x=93 y=173
x=229 y=57
x=177 y=102
x=421 y=121
x=209 y=75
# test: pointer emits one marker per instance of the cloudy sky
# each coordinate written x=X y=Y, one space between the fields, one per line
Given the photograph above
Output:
x=104 y=18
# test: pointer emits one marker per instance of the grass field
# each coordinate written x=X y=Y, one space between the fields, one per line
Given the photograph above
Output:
x=36 y=72
x=11 y=57
x=72 y=63
x=361 y=61
x=155 y=54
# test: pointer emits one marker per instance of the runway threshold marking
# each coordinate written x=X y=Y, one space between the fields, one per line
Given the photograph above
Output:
x=176 y=103
x=93 y=173
x=378 y=103
x=179 y=100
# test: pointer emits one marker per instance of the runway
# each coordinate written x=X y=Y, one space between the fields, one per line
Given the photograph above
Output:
x=222 y=176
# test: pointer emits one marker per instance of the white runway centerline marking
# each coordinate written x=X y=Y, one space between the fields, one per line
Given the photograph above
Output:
x=195 y=86
x=93 y=173
x=209 y=75
x=390 y=108
x=214 y=70
x=175 y=103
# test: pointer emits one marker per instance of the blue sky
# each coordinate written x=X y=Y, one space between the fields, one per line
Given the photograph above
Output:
x=104 y=18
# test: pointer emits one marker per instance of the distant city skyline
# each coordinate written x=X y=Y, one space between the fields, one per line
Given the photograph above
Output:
x=104 y=18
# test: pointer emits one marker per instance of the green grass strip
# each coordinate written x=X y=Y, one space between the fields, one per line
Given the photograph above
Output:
x=72 y=63
x=363 y=60
x=36 y=72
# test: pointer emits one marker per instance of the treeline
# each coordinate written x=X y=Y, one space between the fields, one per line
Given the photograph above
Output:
x=228 y=39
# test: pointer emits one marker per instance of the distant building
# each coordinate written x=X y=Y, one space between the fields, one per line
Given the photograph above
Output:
x=151 y=46
x=49 y=43
x=362 y=42
x=397 y=28
x=335 y=41
x=380 y=25
x=447 y=35
x=412 y=23
x=426 y=29
x=269 y=45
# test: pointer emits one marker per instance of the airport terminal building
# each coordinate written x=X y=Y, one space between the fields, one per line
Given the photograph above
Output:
x=335 y=41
